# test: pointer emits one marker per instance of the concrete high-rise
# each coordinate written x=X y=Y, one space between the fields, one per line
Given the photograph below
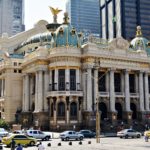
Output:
x=84 y=15
x=120 y=18
x=11 y=16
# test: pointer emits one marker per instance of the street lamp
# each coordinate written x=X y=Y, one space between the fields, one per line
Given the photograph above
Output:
x=97 y=64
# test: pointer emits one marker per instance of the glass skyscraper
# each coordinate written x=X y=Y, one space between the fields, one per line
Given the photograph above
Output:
x=84 y=15
x=11 y=16
x=120 y=18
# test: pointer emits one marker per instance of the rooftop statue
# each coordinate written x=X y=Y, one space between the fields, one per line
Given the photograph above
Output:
x=55 y=12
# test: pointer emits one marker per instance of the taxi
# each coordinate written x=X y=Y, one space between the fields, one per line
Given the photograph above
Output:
x=19 y=138
x=147 y=133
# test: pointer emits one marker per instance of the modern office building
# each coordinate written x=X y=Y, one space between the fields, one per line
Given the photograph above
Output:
x=11 y=16
x=53 y=79
x=84 y=15
x=120 y=18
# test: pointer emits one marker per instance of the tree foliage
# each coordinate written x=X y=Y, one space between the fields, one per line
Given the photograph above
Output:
x=4 y=124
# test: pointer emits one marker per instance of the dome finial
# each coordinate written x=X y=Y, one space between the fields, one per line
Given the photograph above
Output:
x=66 y=18
x=138 y=31
x=55 y=12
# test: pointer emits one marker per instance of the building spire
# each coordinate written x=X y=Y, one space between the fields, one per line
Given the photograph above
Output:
x=138 y=31
x=66 y=18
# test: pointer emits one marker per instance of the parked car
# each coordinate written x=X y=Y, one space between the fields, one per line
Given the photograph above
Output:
x=147 y=133
x=128 y=133
x=67 y=135
x=3 y=132
x=19 y=138
x=87 y=133
x=18 y=132
x=38 y=134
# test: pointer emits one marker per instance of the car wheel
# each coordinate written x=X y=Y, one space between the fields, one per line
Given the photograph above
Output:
x=138 y=136
x=47 y=138
x=121 y=137
x=67 y=138
x=32 y=143
x=126 y=136
x=81 y=138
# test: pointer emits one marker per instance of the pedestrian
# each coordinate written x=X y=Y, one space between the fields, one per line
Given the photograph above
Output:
x=146 y=137
x=41 y=146
x=13 y=144
x=19 y=147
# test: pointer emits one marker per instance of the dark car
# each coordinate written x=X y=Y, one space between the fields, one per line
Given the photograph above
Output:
x=87 y=133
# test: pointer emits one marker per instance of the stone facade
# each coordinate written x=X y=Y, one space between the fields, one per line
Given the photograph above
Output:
x=55 y=79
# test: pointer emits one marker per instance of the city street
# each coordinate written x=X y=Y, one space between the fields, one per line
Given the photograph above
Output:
x=105 y=144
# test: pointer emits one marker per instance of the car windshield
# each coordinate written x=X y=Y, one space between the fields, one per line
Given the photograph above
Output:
x=2 y=130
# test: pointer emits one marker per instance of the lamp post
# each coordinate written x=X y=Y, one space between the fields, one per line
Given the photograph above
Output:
x=97 y=107
x=98 y=115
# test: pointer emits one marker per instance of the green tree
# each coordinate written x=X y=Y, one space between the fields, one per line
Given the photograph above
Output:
x=4 y=124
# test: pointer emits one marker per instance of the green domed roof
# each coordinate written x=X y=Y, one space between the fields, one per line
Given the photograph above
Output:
x=66 y=35
x=139 y=42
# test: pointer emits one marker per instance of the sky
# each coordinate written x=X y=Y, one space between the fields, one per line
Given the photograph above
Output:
x=36 y=10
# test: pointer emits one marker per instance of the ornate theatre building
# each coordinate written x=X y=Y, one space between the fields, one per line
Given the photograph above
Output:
x=54 y=78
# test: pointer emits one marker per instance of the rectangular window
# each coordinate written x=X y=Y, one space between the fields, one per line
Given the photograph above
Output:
x=15 y=63
x=132 y=83
x=101 y=81
x=149 y=83
x=61 y=79
x=117 y=80
x=53 y=80
x=72 y=79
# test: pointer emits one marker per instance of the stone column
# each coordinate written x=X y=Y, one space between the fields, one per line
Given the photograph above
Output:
x=40 y=91
x=84 y=88
x=46 y=89
x=146 y=92
x=36 y=91
x=23 y=98
x=95 y=85
x=89 y=89
x=56 y=79
x=27 y=93
x=141 y=91
x=127 y=93
x=112 y=93
x=67 y=79
x=107 y=81
x=2 y=88
x=136 y=83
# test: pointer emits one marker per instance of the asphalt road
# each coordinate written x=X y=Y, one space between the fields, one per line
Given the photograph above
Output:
x=105 y=144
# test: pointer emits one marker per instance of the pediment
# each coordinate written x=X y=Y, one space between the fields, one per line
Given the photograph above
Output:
x=119 y=43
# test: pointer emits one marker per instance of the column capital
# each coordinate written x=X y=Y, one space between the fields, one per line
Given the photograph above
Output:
x=112 y=69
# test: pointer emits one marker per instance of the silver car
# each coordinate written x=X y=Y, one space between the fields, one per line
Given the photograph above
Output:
x=128 y=133
x=69 y=135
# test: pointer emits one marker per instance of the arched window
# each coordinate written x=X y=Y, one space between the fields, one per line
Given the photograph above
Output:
x=52 y=109
x=73 y=109
x=61 y=109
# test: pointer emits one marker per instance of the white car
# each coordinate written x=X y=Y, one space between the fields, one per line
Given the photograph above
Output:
x=3 y=132
x=38 y=134
x=67 y=135
x=129 y=133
